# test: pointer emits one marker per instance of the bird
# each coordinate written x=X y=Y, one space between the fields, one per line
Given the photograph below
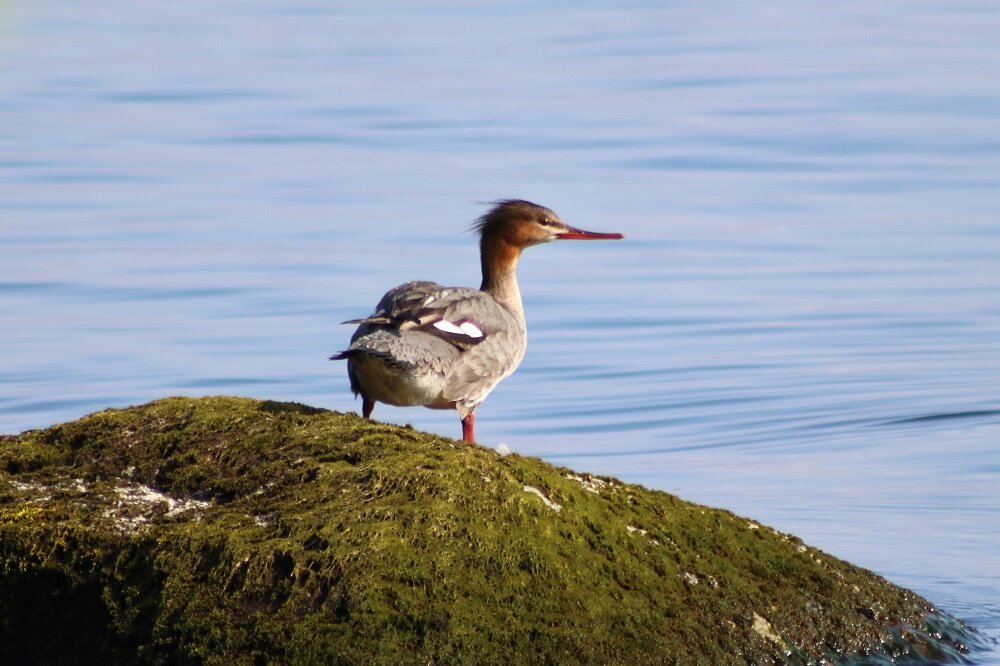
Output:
x=448 y=347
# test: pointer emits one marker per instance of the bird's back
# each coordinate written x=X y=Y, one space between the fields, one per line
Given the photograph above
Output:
x=422 y=338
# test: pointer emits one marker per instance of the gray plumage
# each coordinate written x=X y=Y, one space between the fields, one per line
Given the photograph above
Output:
x=424 y=365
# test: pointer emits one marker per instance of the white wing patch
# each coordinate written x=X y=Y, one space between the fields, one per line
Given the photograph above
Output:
x=448 y=327
x=470 y=329
x=466 y=328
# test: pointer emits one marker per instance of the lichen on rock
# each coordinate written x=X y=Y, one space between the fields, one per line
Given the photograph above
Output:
x=236 y=531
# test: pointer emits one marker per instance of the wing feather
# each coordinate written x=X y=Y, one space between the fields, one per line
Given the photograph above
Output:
x=462 y=316
x=462 y=335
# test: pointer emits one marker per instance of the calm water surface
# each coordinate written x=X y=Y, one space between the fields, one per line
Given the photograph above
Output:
x=803 y=324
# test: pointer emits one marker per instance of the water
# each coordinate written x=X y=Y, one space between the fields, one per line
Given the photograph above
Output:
x=803 y=324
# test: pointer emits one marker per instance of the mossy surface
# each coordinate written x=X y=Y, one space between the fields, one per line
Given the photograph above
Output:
x=234 y=531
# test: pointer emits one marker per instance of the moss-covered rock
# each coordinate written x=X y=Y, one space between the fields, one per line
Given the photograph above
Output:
x=235 y=531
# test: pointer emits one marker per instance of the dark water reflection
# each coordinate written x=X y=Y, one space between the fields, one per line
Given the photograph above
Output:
x=802 y=325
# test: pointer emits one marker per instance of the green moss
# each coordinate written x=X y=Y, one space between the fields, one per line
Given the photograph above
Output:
x=291 y=534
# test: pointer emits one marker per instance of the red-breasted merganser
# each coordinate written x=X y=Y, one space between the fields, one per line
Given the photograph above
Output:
x=448 y=347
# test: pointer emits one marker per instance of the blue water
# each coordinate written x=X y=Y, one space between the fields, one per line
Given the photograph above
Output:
x=802 y=326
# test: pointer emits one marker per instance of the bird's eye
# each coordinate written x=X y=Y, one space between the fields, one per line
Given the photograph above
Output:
x=546 y=222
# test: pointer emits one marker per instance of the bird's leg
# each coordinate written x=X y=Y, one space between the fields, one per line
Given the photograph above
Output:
x=367 y=405
x=468 y=424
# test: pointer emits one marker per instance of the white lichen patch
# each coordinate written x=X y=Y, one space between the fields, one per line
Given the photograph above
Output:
x=43 y=493
x=752 y=525
x=137 y=503
x=689 y=578
x=810 y=554
x=145 y=494
x=33 y=492
x=591 y=484
x=22 y=487
x=545 y=500
x=764 y=628
x=632 y=529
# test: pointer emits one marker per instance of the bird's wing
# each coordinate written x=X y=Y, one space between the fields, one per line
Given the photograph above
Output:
x=464 y=317
x=463 y=334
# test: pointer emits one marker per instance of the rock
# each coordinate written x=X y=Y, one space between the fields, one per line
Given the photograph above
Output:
x=234 y=531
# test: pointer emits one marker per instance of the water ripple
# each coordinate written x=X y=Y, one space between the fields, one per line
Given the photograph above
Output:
x=945 y=416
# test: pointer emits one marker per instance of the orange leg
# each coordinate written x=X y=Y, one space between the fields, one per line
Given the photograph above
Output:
x=468 y=425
